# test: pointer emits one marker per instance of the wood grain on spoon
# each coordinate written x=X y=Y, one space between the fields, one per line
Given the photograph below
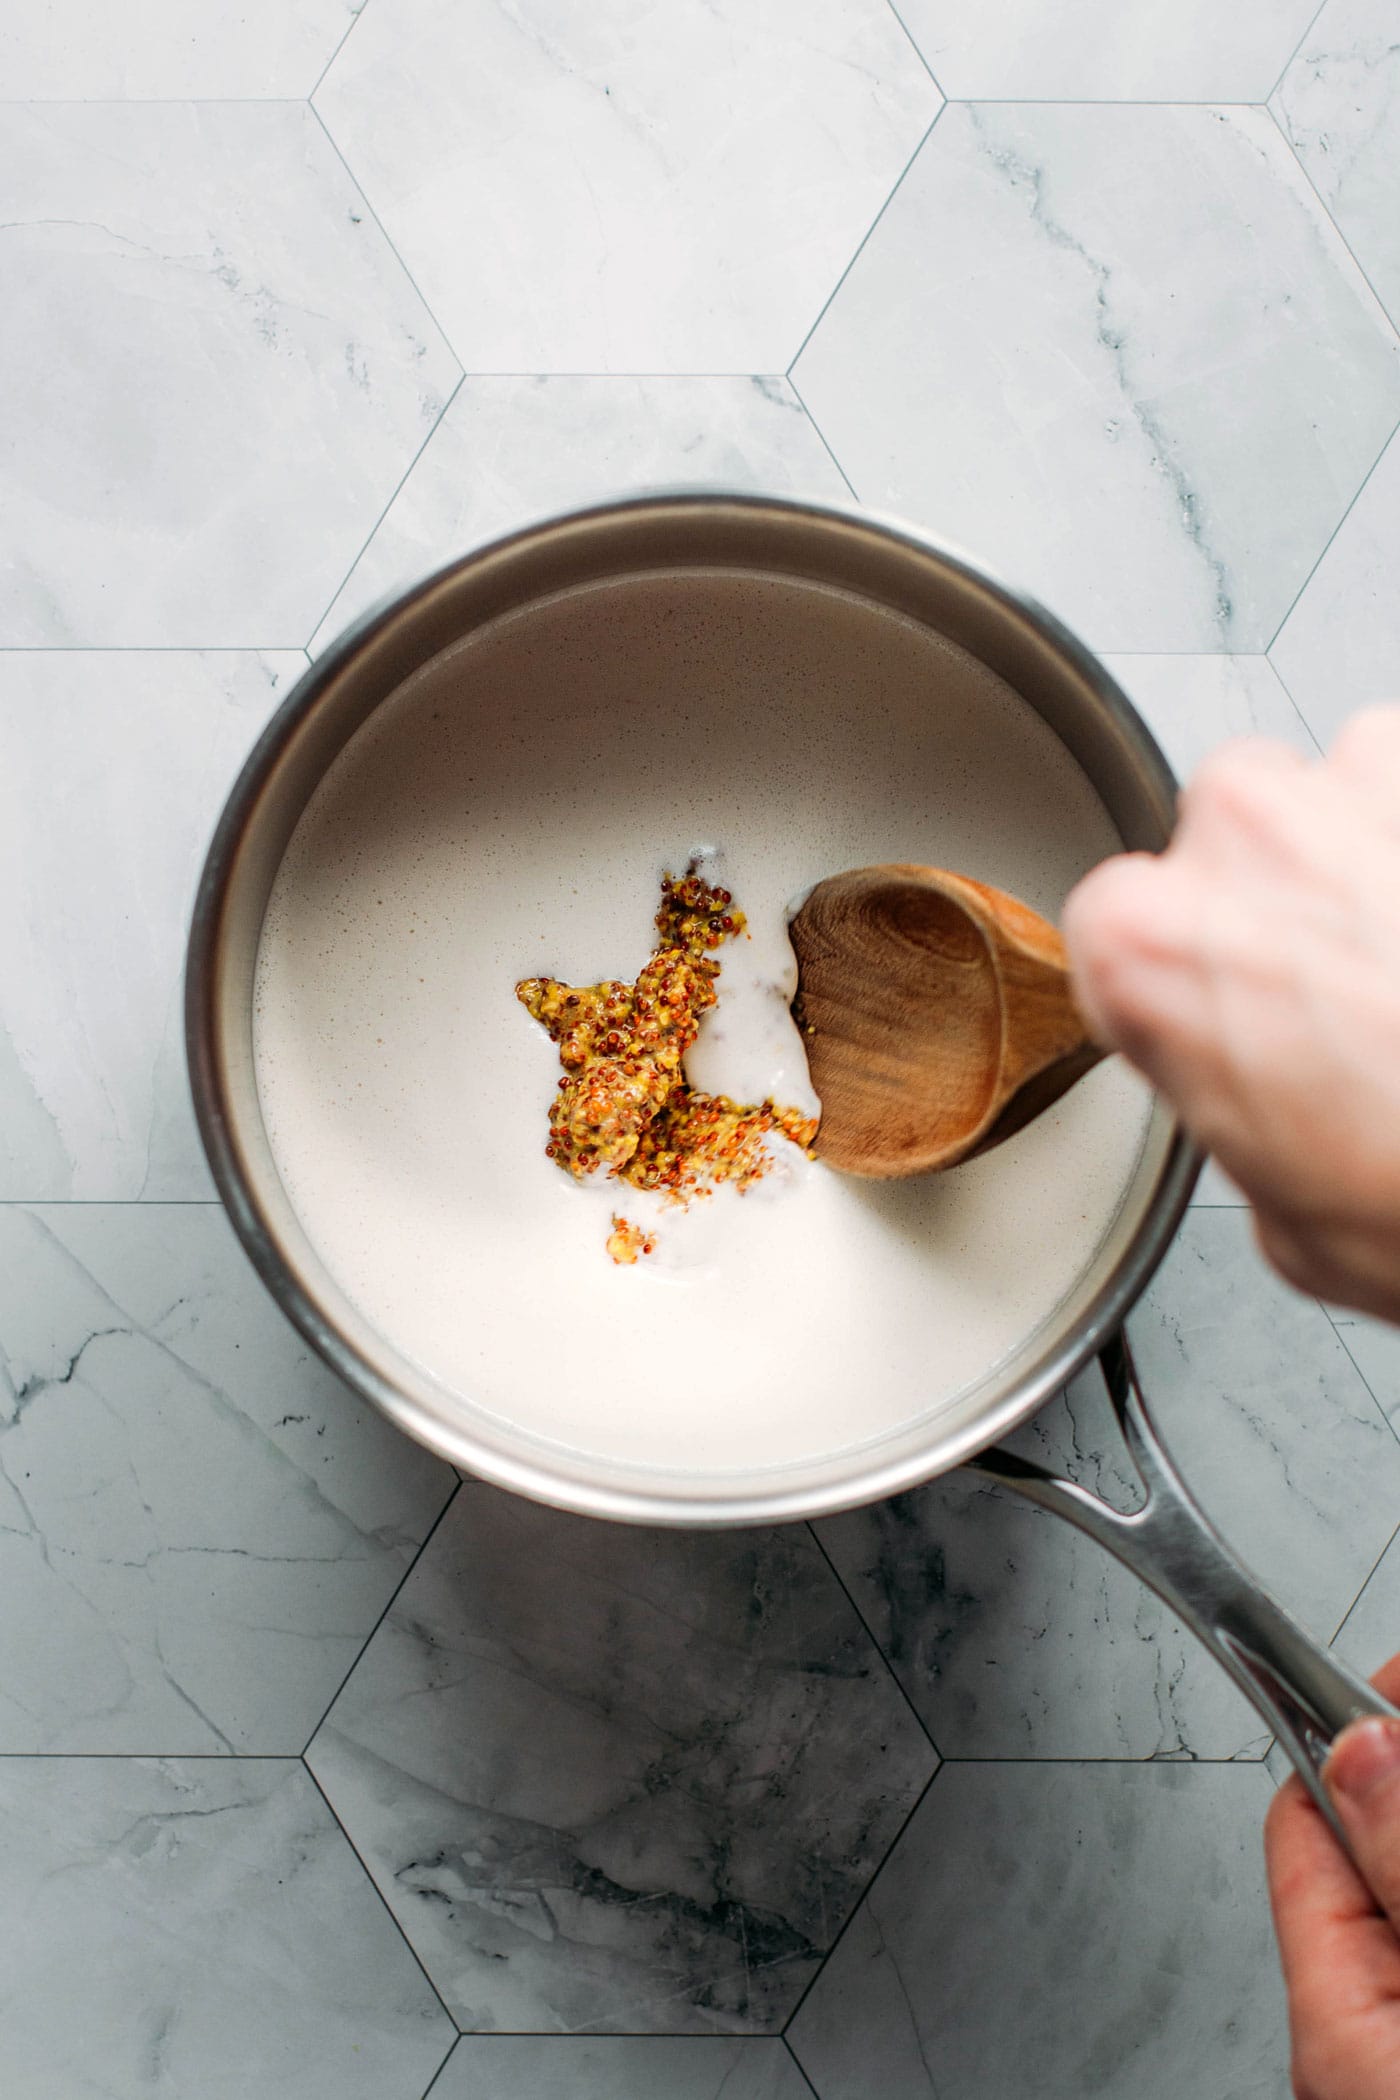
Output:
x=937 y=1015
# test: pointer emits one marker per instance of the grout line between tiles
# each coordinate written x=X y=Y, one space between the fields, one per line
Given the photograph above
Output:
x=1312 y=736
x=864 y=238
x=1355 y=1604
x=624 y=375
x=823 y=440
x=330 y=1805
x=451 y=349
x=1106 y=102
x=1182 y=1762
x=1283 y=69
x=914 y=45
x=363 y=194
x=875 y=1642
x=799 y=2067
x=292 y=1757
x=151 y=648
x=452 y=2051
x=858 y=1907
x=1289 y=692
x=744 y=2038
x=1231 y=656
x=986 y=101
x=1273 y=642
x=1375 y=1396
x=1301 y=165
x=363 y=548
x=398 y=1586
x=149 y=101
x=355 y=21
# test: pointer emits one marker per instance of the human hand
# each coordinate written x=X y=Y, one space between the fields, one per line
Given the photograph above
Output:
x=1339 y=1936
x=1252 y=972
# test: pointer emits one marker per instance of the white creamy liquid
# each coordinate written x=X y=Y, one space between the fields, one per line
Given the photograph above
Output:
x=509 y=813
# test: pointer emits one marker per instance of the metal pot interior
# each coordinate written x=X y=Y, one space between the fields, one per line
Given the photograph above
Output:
x=866 y=587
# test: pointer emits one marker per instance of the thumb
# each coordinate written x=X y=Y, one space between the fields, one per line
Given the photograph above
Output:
x=1362 y=1775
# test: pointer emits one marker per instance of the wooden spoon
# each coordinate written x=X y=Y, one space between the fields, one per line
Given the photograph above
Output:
x=937 y=1016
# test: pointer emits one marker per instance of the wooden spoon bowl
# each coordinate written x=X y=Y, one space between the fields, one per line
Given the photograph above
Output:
x=937 y=1015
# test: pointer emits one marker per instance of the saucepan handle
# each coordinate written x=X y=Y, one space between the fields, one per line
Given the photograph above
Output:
x=1304 y=1694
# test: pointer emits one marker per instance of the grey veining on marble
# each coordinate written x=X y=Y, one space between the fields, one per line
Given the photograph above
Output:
x=1339 y=106
x=86 y=50
x=1109 y=410
x=197 y=1927
x=198 y=1525
x=213 y=373
x=1339 y=648
x=671 y=190
x=509 y=451
x=113 y=766
x=1104 y=50
x=619 y=1780
x=1055 y=1930
x=637 y=2067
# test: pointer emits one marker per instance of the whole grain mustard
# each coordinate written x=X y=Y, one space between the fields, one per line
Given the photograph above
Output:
x=623 y=1105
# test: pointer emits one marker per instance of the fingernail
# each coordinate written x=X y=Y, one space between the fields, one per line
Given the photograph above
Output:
x=1364 y=1757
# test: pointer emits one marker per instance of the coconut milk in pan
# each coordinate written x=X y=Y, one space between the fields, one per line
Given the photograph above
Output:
x=508 y=813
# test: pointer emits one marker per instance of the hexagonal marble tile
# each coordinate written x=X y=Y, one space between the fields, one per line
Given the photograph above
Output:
x=1339 y=106
x=213 y=373
x=509 y=451
x=1017 y=1637
x=1053 y=1929
x=1098 y=50
x=1123 y=394
x=113 y=765
x=81 y=50
x=639 y=2067
x=1339 y=648
x=602 y=190
x=198 y=1524
x=198 y=1925
x=618 y=1780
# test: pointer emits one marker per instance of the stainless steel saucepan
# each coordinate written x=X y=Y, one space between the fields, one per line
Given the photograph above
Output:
x=880 y=572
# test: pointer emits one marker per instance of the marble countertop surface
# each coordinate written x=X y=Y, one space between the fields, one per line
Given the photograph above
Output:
x=325 y=1775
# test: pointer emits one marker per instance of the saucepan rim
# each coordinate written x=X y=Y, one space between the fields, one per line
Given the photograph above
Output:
x=399 y=1395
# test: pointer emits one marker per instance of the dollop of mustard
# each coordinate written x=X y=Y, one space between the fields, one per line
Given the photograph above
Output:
x=623 y=1106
